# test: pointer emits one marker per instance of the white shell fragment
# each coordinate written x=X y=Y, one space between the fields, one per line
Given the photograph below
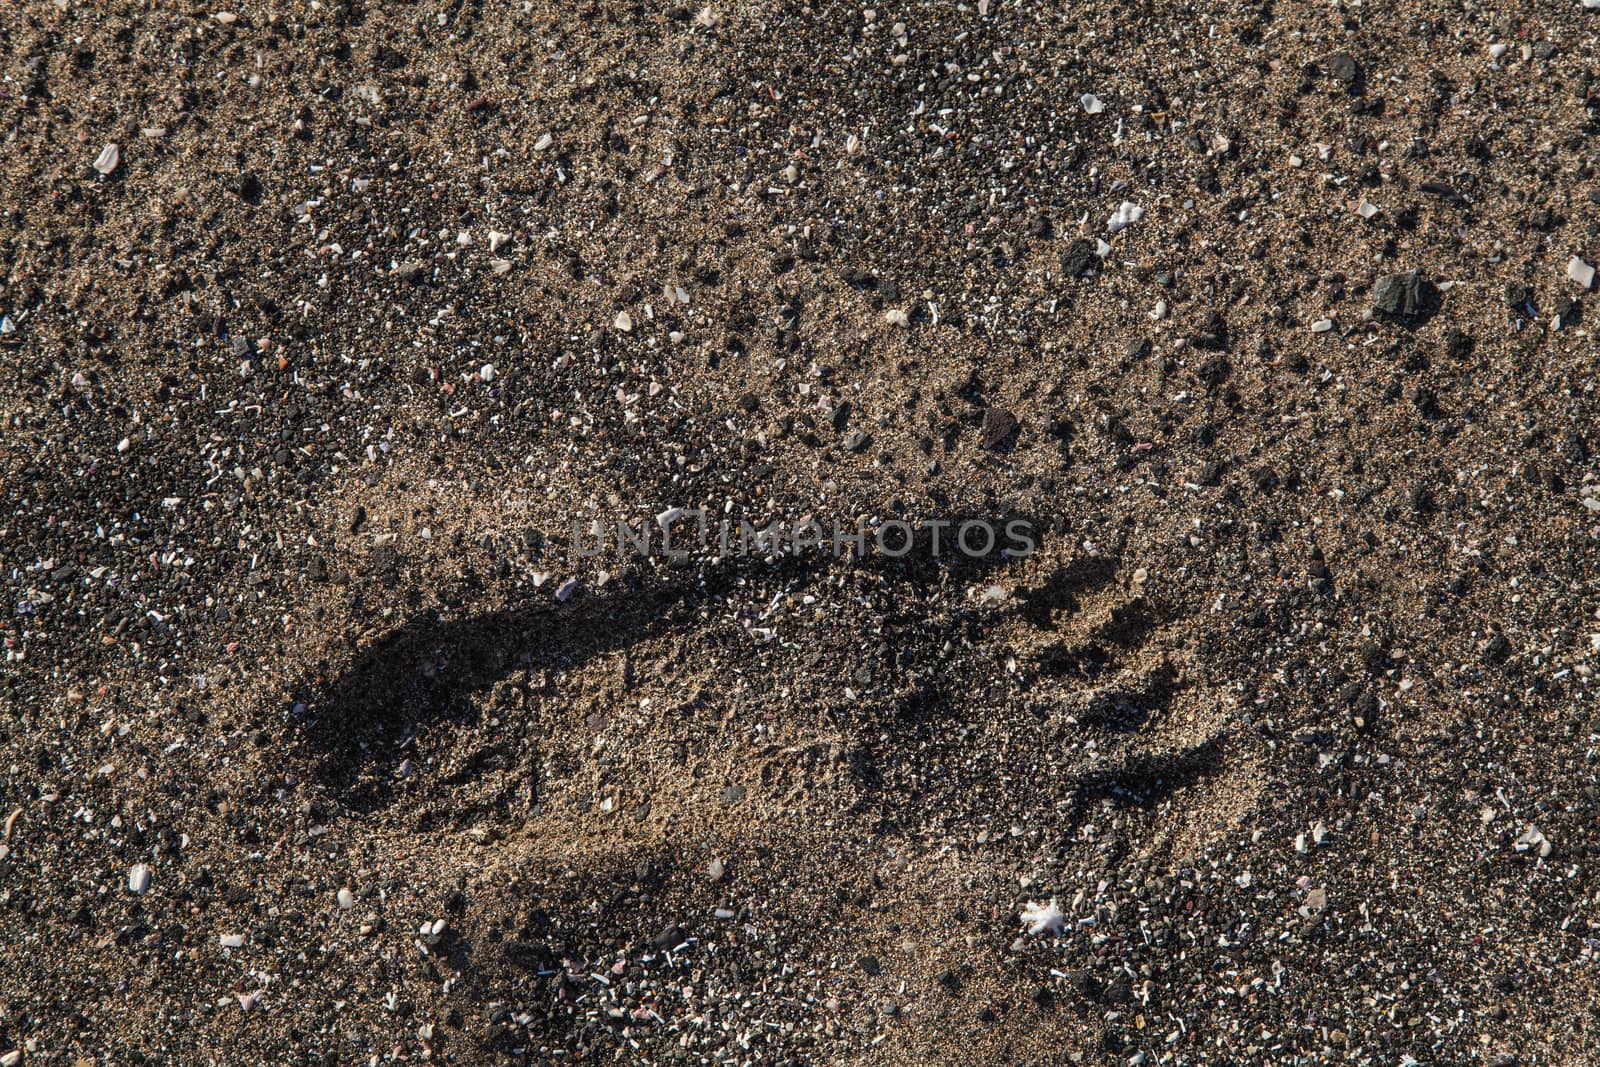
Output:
x=1125 y=216
x=139 y=879
x=109 y=157
x=1091 y=103
x=1580 y=272
x=1532 y=840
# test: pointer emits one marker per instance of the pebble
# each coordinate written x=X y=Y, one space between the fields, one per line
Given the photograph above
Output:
x=1322 y=326
x=623 y=322
x=486 y=372
x=565 y=590
x=1403 y=294
x=231 y=940
x=107 y=160
x=346 y=899
x=1091 y=103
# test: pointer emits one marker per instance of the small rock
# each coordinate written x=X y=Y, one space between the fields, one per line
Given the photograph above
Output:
x=139 y=879
x=1079 y=259
x=107 y=160
x=1347 y=72
x=1404 y=295
x=998 y=424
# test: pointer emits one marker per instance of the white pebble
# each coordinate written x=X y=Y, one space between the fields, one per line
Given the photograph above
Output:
x=107 y=160
x=623 y=322
x=896 y=317
x=139 y=879
x=543 y=142
x=1091 y=103
x=1322 y=326
x=496 y=239
x=346 y=899
x=231 y=940
x=486 y=372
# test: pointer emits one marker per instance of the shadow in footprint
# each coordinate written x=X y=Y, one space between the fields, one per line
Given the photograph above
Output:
x=1146 y=780
x=1086 y=574
x=358 y=727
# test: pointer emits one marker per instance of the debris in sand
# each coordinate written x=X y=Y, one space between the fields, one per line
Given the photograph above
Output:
x=1581 y=272
x=1125 y=216
x=1043 y=918
x=107 y=160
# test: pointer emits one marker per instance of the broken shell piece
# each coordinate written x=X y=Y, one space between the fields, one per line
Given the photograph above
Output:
x=107 y=160
x=1125 y=216
x=1533 y=841
x=1580 y=272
